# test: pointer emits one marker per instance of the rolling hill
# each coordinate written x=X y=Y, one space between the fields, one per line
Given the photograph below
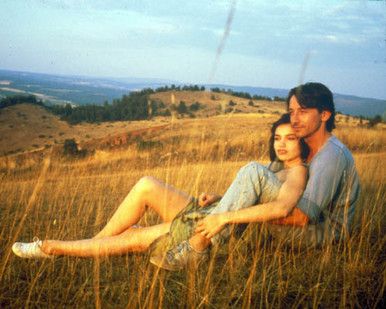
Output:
x=30 y=127
x=77 y=90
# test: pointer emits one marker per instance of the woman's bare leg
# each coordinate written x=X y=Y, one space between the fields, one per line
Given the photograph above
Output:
x=149 y=191
x=132 y=239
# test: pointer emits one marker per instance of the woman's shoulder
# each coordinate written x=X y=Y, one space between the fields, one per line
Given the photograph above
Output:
x=299 y=169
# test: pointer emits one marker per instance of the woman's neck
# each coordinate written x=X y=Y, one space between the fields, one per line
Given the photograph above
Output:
x=291 y=163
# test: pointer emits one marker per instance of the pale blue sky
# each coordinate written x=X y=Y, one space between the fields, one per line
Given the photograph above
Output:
x=177 y=40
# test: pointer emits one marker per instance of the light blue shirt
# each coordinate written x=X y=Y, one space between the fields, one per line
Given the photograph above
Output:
x=332 y=189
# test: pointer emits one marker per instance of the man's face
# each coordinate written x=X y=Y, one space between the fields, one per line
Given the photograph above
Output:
x=305 y=121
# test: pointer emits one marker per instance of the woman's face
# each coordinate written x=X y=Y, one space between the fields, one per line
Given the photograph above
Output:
x=286 y=144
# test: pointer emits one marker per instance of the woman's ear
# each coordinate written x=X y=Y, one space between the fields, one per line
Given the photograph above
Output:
x=326 y=115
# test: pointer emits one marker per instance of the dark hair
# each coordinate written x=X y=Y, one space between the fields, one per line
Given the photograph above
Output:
x=315 y=95
x=285 y=119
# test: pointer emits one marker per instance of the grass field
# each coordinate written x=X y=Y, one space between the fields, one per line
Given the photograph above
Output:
x=72 y=199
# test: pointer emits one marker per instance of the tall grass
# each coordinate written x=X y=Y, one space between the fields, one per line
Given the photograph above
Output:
x=73 y=199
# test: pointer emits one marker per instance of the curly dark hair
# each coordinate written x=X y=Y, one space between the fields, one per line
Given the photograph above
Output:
x=285 y=119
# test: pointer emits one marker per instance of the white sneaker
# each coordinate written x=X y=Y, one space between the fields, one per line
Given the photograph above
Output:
x=183 y=255
x=29 y=249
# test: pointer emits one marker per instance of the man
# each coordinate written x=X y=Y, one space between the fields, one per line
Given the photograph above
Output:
x=324 y=212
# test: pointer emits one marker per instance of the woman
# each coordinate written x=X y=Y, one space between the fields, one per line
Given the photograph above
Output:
x=121 y=235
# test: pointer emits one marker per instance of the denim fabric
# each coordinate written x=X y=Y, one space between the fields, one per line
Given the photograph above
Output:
x=254 y=184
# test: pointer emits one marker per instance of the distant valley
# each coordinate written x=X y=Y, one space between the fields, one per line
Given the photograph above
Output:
x=78 y=90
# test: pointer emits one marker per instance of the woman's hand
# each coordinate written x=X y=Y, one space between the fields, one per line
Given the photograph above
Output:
x=211 y=225
x=206 y=199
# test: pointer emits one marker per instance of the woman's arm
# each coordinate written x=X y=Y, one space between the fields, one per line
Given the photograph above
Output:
x=289 y=194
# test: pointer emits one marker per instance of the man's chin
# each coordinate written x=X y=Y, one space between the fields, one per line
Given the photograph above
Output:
x=300 y=133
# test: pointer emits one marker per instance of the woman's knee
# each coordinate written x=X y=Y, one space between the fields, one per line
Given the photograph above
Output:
x=147 y=184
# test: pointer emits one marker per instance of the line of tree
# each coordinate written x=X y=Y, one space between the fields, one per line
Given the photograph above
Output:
x=246 y=95
x=19 y=99
x=135 y=106
x=173 y=87
x=372 y=121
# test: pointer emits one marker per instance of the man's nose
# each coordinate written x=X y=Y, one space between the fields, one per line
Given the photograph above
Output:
x=294 y=117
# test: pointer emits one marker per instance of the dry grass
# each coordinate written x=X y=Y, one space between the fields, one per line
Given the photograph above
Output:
x=27 y=127
x=73 y=199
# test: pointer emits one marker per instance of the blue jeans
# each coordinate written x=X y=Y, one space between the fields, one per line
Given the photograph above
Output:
x=254 y=184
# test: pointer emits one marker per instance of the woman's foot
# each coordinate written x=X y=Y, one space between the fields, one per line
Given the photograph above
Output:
x=29 y=250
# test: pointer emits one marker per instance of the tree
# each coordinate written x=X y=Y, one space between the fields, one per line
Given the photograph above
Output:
x=375 y=120
x=70 y=147
x=195 y=106
x=167 y=113
x=67 y=110
x=181 y=108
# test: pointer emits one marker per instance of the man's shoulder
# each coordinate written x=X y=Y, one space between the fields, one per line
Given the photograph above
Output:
x=335 y=148
x=333 y=151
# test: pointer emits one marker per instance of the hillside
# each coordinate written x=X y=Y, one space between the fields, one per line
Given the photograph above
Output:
x=28 y=127
x=218 y=103
x=80 y=90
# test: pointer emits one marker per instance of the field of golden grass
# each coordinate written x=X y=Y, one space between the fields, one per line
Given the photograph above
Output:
x=70 y=199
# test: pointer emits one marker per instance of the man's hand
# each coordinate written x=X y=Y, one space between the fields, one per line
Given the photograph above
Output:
x=297 y=218
x=206 y=199
x=211 y=225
